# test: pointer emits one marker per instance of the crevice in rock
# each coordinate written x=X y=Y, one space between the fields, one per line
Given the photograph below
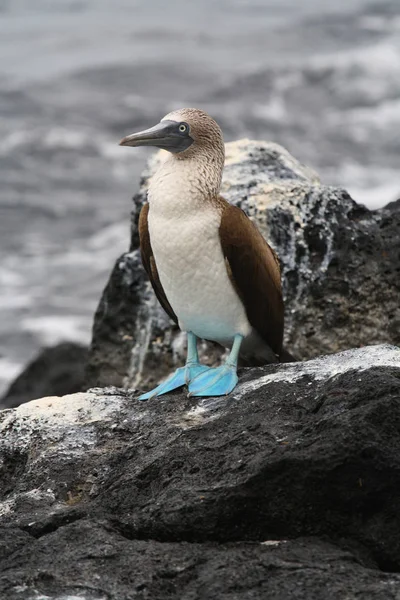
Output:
x=41 y=528
x=12 y=467
x=367 y=557
x=385 y=564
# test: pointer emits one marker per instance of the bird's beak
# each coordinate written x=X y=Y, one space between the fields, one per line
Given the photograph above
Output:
x=164 y=135
x=149 y=137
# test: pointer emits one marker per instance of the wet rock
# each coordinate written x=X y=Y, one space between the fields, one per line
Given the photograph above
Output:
x=56 y=371
x=340 y=271
x=291 y=484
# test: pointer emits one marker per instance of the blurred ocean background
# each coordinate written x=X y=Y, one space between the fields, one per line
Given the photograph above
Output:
x=321 y=78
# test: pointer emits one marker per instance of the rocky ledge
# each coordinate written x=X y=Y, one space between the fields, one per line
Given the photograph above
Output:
x=287 y=488
x=56 y=370
x=340 y=272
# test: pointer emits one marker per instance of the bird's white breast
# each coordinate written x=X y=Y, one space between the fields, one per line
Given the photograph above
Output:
x=191 y=266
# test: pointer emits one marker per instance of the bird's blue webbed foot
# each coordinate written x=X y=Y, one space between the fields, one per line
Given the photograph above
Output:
x=182 y=376
x=215 y=382
x=221 y=380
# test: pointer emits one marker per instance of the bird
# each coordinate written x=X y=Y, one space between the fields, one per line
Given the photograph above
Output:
x=211 y=269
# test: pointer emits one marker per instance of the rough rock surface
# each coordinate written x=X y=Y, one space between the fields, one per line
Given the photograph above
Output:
x=340 y=269
x=287 y=488
x=56 y=371
x=93 y=561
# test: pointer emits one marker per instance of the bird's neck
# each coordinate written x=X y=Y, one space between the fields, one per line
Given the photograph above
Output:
x=185 y=186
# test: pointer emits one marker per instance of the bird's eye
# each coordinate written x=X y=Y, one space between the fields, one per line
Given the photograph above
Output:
x=183 y=128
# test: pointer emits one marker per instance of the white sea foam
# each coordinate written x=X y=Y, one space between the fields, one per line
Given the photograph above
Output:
x=376 y=197
x=115 y=235
x=377 y=60
x=274 y=110
x=380 y=24
x=387 y=114
x=59 y=137
x=15 y=139
x=54 y=329
x=52 y=138
x=8 y=369
x=11 y=299
x=372 y=187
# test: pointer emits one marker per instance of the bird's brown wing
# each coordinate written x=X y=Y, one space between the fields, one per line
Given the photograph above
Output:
x=254 y=270
x=149 y=262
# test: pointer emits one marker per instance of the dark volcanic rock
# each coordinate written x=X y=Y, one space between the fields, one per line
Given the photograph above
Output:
x=340 y=271
x=91 y=560
x=102 y=496
x=56 y=371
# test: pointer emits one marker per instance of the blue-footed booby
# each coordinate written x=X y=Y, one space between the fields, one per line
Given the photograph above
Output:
x=210 y=267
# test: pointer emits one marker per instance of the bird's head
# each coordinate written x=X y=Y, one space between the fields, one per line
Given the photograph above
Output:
x=186 y=133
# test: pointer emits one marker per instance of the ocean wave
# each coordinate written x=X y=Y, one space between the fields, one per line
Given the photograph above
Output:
x=383 y=116
x=52 y=329
x=375 y=197
x=50 y=138
x=372 y=187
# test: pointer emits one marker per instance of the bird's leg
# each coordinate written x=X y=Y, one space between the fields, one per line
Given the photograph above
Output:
x=193 y=368
x=183 y=375
x=221 y=380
